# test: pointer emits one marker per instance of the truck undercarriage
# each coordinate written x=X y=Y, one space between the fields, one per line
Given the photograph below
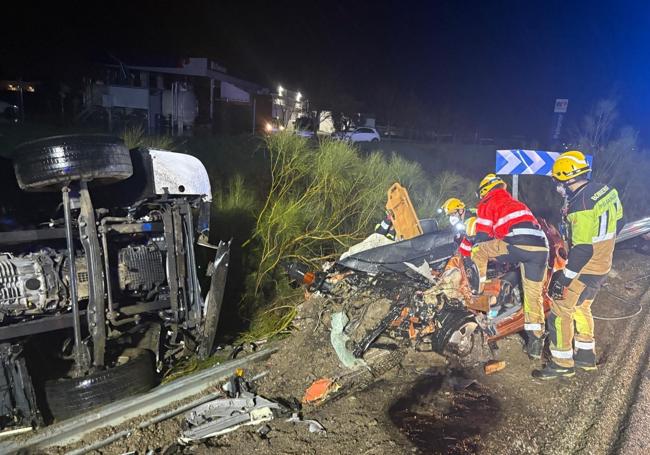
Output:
x=99 y=284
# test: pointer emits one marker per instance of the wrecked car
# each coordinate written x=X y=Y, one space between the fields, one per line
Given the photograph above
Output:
x=99 y=285
x=426 y=296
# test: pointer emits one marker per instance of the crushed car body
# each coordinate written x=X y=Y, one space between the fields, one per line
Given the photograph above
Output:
x=431 y=290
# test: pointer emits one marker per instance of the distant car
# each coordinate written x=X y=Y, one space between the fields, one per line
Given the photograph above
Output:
x=304 y=133
x=272 y=127
x=362 y=134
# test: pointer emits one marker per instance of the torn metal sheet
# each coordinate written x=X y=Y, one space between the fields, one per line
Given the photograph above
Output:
x=223 y=415
x=372 y=241
x=423 y=270
x=431 y=248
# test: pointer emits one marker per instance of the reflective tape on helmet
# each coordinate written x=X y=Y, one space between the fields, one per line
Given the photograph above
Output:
x=562 y=354
x=512 y=216
x=586 y=345
x=570 y=274
x=532 y=326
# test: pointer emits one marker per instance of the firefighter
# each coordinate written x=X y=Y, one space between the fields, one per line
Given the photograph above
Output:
x=594 y=214
x=455 y=209
x=465 y=247
x=507 y=230
x=386 y=227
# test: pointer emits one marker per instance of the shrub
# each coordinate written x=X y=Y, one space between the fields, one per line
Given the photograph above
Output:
x=135 y=136
x=323 y=199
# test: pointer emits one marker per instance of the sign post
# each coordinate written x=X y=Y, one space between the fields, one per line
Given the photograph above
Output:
x=561 y=106
x=526 y=162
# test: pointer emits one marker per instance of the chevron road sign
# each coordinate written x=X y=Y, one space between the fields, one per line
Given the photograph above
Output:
x=530 y=162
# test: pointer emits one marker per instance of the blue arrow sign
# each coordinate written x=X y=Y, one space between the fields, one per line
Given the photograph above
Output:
x=531 y=162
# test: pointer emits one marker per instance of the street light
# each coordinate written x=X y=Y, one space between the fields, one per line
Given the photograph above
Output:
x=280 y=90
x=298 y=96
x=20 y=87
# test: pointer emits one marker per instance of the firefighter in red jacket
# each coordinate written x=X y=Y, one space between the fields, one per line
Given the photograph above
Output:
x=507 y=230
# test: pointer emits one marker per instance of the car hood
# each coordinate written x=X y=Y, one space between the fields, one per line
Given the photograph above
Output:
x=432 y=247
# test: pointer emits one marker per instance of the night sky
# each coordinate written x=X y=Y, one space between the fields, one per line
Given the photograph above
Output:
x=496 y=66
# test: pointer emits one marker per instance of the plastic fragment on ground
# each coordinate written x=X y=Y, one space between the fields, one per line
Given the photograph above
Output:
x=493 y=366
x=340 y=339
x=314 y=425
x=319 y=390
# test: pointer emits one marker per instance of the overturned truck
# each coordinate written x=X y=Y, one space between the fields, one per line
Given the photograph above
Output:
x=99 y=277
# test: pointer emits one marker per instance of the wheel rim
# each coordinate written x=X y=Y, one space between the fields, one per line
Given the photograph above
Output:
x=462 y=341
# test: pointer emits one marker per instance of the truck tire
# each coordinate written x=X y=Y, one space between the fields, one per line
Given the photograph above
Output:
x=48 y=164
x=69 y=397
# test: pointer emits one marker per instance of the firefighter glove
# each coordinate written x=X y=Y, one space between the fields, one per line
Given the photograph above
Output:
x=558 y=284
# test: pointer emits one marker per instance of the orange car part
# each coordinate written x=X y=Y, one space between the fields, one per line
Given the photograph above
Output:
x=319 y=390
x=405 y=220
x=514 y=323
x=493 y=366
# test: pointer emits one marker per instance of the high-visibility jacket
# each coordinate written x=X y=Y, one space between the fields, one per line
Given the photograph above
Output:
x=386 y=228
x=499 y=214
x=595 y=215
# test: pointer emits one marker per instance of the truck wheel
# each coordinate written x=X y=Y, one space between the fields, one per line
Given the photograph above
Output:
x=69 y=397
x=49 y=163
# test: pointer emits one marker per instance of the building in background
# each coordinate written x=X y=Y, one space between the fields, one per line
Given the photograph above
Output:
x=179 y=95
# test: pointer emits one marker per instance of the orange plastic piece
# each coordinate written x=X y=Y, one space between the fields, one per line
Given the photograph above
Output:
x=456 y=261
x=405 y=220
x=493 y=366
x=319 y=390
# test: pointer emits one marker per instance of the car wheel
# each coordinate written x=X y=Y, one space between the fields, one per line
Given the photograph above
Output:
x=375 y=140
x=49 y=163
x=69 y=397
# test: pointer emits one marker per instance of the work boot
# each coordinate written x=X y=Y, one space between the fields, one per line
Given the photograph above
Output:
x=552 y=371
x=585 y=359
x=534 y=346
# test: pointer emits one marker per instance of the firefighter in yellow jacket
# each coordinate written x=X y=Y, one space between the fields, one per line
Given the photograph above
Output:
x=594 y=214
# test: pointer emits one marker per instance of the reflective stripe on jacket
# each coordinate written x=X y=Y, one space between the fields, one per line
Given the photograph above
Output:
x=594 y=213
x=465 y=247
x=498 y=212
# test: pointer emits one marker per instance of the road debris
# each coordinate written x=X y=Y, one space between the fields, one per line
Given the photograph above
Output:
x=493 y=366
x=319 y=390
x=339 y=341
x=314 y=425
x=242 y=407
x=458 y=383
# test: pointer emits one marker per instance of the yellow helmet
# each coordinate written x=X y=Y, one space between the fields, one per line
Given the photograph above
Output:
x=470 y=226
x=569 y=165
x=451 y=205
x=488 y=183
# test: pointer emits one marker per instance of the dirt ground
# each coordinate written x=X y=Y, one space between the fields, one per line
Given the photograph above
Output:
x=424 y=407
